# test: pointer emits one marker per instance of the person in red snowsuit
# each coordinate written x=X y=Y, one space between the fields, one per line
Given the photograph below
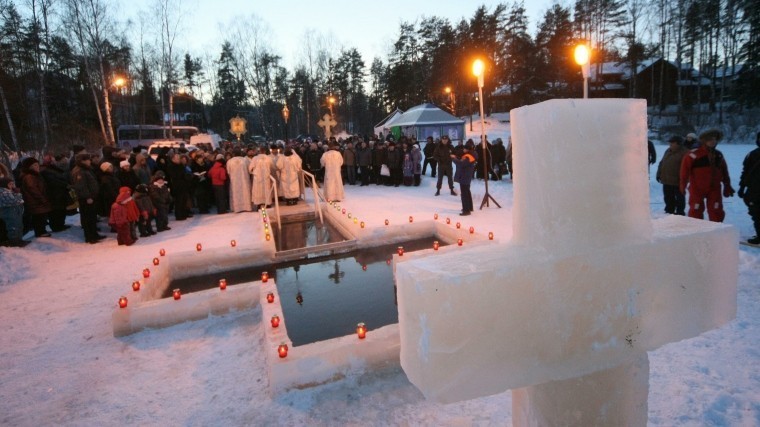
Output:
x=703 y=169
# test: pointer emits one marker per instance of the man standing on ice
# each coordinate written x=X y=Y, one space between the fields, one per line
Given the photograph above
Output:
x=749 y=188
x=703 y=170
x=463 y=175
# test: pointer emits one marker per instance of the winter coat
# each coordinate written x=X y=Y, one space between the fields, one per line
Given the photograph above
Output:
x=240 y=184
x=430 y=149
x=379 y=157
x=109 y=189
x=363 y=156
x=704 y=170
x=313 y=157
x=416 y=160
x=442 y=155
x=35 y=193
x=408 y=166
x=10 y=198
x=349 y=157
x=127 y=178
x=218 y=173
x=119 y=211
x=57 y=185
x=465 y=169
x=669 y=169
x=159 y=195
x=750 y=178
x=289 y=167
x=84 y=182
x=261 y=168
x=144 y=204
x=395 y=158
x=332 y=161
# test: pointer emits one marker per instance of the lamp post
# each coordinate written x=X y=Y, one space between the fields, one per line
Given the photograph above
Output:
x=330 y=103
x=452 y=100
x=286 y=116
x=478 y=69
x=582 y=59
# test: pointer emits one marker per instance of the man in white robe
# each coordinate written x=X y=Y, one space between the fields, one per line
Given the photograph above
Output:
x=289 y=167
x=332 y=162
x=261 y=167
x=240 y=183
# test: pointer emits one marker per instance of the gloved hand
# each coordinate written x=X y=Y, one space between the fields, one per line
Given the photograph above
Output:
x=728 y=191
x=742 y=192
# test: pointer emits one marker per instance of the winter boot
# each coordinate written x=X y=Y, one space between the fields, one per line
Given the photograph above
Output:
x=453 y=193
x=438 y=192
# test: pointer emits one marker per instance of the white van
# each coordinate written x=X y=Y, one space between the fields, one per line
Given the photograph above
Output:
x=207 y=141
x=162 y=147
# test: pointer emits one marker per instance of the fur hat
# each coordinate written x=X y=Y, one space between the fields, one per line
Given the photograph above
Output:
x=124 y=164
x=141 y=188
x=159 y=175
x=692 y=136
x=105 y=166
x=711 y=134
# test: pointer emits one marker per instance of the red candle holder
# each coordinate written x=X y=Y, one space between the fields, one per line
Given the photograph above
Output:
x=436 y=245
x=275 y=321
x=123 y=302
x=387 y=222
x=282 y=350
x=459 y=225
x=146 y=272
x=388 y=261
x=343 y=211
x=448 y=221
x=198 y=247
x=435 y=217
x=460 y=242
x=490 y=235
x=136 y=285
x=361 y=224
x=266 y=220
x=270 y=298
x=156 y=261
x=411 y=219
x=268 y=237
x=472 y=230
x=177 y=294
x=233 y=243
x=162 y=252
x=222 y=284
x=264 y=276
x=400 y=251
x=361 y=331
x=364 y=268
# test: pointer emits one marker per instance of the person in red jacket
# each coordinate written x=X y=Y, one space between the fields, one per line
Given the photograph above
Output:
x=119 y=219
x=703 y=169
x=218 y=175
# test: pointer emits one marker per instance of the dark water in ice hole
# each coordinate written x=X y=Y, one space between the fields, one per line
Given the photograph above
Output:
x=297 y=234
x=335 y=292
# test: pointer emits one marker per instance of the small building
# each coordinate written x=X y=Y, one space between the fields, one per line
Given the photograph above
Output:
x=383 y=127
x=426 y=120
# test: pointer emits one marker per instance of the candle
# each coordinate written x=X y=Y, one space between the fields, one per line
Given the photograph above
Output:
x=361 y=331
x=490 y=235
x=343 y=211
x=275 y=321
x=177 y=294
x=146 y=272
x=233 y=243
x=162 y=252
x=460 y=242
x=387 y=222
x=459 y=225
x=198 y=247
x=472 y=230
x=136 y=285
x=264 y=276
x=436 y=245
x=400 y=251
x=270 y=297
x=156 y=261
x=435 y=217
x=222 y=284
x=362 y=224
x=411 y=219
x=282 y=350
x=349 y=216
x=356 y=220
x=268 y=237
x=123 y=302
x=364 y=267
x=388 y=261
x=448 y=220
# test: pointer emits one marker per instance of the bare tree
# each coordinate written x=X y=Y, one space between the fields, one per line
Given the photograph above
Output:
x=169 y=14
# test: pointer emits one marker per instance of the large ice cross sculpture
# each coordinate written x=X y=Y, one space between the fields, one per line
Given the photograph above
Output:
x=327 y=123
x=566 y=311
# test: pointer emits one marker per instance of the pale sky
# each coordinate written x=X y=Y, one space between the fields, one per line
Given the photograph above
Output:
x=370 y=26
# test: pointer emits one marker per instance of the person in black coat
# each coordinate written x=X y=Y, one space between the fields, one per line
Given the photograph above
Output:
x=749 y=188
x=464 y=173
x=109 y=189
x=57 y=185
x=442 y=155
x=36 y=201
x=395 y=156
x=499 y=158
x=180 y=187
x=86 y=186
x=429 y=159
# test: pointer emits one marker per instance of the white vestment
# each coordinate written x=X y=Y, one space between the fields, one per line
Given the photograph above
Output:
x=332 y=161
x=240 y=184
x=289 y=168
x=261 y=168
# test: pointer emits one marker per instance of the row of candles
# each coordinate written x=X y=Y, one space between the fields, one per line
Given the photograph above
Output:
x=282 y=349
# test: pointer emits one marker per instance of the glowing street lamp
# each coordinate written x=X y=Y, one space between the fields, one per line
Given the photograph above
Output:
x=478 y=69
x=330 y=103
x=285 y=116
x=452 y=99
x=582 y=56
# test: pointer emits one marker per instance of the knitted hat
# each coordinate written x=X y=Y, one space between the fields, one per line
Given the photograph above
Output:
x=106 y=166
x=124 y=164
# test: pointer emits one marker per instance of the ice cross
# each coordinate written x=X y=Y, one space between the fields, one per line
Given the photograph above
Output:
x=566 y=311
x=326 y=123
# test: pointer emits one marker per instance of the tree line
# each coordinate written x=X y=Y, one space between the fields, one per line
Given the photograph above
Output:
x=60 y=63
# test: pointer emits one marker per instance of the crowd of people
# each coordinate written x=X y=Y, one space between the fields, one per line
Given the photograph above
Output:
x=694 y=165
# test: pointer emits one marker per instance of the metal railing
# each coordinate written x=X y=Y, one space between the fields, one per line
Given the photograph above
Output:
x=276 y=202
x=317 y=194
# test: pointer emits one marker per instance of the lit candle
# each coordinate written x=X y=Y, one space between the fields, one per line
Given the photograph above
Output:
x=448 y=220
x=275 y=321
x=270 y=298
x=222 y=284
x=266 y=220
x=268 y=237
x=266 y=226
x=362 y=224
x=361 y=331
x=264 y=276
x=459 y=225
x=146 y=272
x=436 y=245
x=364 y=267
x=136 y=285
x=388 y=261
x=387 y=222
x=343 y=211
x=162 y=252
x=411 y=218
x=356 y=220
x=282 y=350
x=490 y=235
x=233 y=243
x=460 y=242
x=177 y=294
x=400 y=251
x=198 y=247
x=156 y=261
x=472 y=230
x=349 y=216
x=264 y=212
x=122 y=302
x=435 y=217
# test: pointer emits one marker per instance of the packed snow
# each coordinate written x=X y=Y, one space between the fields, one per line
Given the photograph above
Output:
x=61 y=365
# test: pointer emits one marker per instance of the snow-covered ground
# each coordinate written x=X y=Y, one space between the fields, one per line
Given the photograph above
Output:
x=61 y=365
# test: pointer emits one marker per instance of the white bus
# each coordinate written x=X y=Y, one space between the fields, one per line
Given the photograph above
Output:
x=130 y=136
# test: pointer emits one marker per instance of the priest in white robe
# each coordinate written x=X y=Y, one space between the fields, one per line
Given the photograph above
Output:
x=332 y=162
x=261 y=167
x=289 y=167
x=240 y=183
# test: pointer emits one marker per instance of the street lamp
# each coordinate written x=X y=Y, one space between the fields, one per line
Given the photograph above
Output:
x=452 y=100
x=478 y=69
x=582 y=59
x=330 y=103
x=286 y=116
